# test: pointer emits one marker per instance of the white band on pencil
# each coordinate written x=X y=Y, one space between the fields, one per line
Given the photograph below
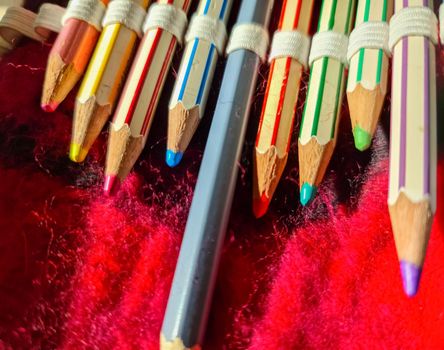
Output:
x=369 y=35
x=329 y=44
x=290 y=43
x=413 y=21
x=441 y=23
x=90 y=11
x=48 y=19
x=167 y=17
x=127 y=12
x=209 y=29
x=249 y=36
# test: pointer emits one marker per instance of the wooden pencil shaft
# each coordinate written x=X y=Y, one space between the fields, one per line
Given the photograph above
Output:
x=195 y=274
x=413 y=143
x=369 y=67
x=140 y=96
x=198 y=62
x=193 y=83
x=283 y=84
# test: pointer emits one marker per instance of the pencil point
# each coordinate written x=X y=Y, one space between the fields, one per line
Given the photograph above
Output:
x=50 y=106
x=411 y=275
x=77 y=153
x=112 y=185
x=362 y=138
x=173 y=158
x=260 y=206
x=307 y=193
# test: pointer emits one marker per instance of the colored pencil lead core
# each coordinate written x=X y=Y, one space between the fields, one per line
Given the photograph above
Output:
x=307 y=193
x=260 y=206
x=362 y=138
x=112 y=185
x=77 y=153
x=411 y=275
x=173 y=158
x=50 y=106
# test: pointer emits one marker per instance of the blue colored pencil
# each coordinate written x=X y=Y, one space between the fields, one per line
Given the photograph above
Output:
x=193 y=283
x=195 y=75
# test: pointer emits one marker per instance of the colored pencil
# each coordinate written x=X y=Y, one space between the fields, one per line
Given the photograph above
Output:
x=190 y=92
x=137 y=105
x=278 y=111
x=68 y=59
x=102 y=85
x=367 y=77
x=317 y=137
x=413 y=149
x=193 y=283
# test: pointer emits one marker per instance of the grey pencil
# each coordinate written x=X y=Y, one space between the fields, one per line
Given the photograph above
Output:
x=193 y=283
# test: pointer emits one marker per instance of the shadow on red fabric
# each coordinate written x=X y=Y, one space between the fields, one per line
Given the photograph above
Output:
x=80 y=270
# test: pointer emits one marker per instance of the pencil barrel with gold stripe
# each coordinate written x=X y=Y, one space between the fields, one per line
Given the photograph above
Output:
x=368 y=75
x=413 y=138
x=317 y=137
x=278 y=111
x=140 y=96
x=106 y=73
x=195 y=75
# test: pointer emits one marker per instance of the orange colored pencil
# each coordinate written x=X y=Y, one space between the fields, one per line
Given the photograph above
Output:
x=69 y=57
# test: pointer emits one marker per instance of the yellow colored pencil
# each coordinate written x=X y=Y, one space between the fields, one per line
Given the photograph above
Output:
x=103 y=81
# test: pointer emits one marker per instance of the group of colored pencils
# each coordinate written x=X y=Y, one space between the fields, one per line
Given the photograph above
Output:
x=126 y=82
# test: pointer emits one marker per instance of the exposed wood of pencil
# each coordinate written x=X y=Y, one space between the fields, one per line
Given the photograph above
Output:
x=123 y=151
x=89 y=119
x=365 y=107
x=182 y=124
x=176 y=344
x=60 y=78
x=411 y=223
x=313 y=161
x=268 y=168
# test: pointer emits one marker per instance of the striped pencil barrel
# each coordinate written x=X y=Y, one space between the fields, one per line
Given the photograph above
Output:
x=368 y=76
x=278 y=111
x=190 y=297
x=72 y=50
x=317 y=137
x=413 y=146
x=105 y=75
x=137 y=105
x=195 y=75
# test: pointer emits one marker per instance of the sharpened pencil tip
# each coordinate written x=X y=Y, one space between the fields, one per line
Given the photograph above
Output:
x=49 y=107
x=411 y=275
x=173 y=158
x=362 y=138
x=260 y=206
x=77 y=153
x=307 y=193
x=112 y=185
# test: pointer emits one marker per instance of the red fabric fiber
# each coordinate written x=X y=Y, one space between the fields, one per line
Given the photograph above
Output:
x=82 y=271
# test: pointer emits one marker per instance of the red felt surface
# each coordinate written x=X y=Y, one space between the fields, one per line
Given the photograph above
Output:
x=79 y=270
